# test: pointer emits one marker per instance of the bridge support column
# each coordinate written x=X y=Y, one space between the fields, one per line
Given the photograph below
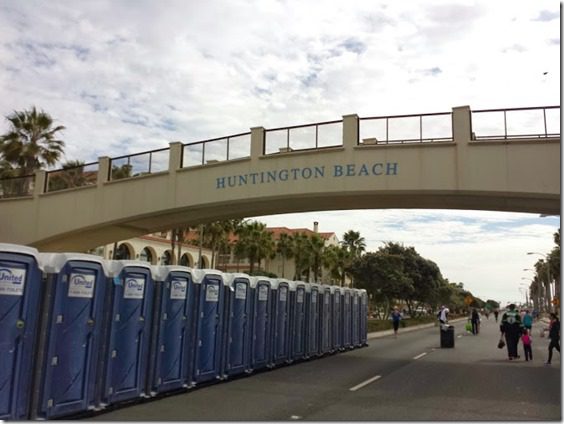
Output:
x=39 y=187
x=350 y=131
x=462 y=134
x=175 y=156
x=103 y=170
x=257 y=142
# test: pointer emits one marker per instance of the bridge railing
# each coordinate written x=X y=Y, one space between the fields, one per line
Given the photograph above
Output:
x=139 y=164
x=303 y=137
x=12 y=187
x=516 y=123
x=216 y=149
x=406 y=129
x=71 y=177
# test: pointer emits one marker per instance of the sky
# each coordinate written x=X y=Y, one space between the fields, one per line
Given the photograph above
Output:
x=130 y=76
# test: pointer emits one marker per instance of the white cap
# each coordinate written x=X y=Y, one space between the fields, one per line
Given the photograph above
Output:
x=200 y=274
x=162 y=271
x=116 y=266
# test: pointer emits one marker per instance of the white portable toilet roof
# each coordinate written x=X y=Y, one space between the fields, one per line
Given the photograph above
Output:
x=230 y=277
x=162 y=271
x=276 y=282
x=294 y=285
x=54 y=262
x=257 y=278
x=116 y=266
x=18 y=248
x=200 y=274
x=335 y=288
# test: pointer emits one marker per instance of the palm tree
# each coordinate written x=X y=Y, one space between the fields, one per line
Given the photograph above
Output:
x=284 y=248
x=31 y=142
x=336 y=258
x=316 y=247
x=72 y=175
x=254 y=242
x=300 y=252
x=355 y=245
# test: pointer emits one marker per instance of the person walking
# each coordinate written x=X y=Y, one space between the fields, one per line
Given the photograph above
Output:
x=553 y=335
x=396 y=318
x=496 y=313
x=475 y=321
x=443 y=315
x=527 y=345
x=511 y=328
x=528 y=320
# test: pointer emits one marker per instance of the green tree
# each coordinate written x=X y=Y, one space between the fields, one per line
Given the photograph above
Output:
x=71 y=175
x=255 y=243
x=284 y=249
x=31 y=144
x=336 y=259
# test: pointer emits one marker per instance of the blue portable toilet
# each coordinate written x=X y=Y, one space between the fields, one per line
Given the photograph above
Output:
x=70 y=340
x=347 y=315
x=128 y=331
x=173 y=330
x=280 y=321
x=210 y=289
x=363 y=317
x=355 y=318
x=20 y=294
x=325 y=320
x=261 y=311
x=297 y=320
x=312 y=313
x=238 y=325
x=336 y=318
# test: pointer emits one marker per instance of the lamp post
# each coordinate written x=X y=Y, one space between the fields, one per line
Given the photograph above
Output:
x=548 y=296
x=537 y=298
x=526 y=290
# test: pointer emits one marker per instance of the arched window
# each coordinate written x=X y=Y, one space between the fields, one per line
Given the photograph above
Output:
x=166 y=258
x=185 y=260
x=123 y=252
x=146 y=255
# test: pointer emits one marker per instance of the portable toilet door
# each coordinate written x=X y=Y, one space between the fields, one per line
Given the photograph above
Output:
x=209 y=325
x=347 y=315
x=128 y=331
x=325 y=319
x=260 y=339
x=336 y=319
x=312 y=312
x=363 y=320
x=297 y=320
x=70 y=340
x=20 y=293
x=238 y=325
x=355 y=319
x=280 y=321
x=173 y=334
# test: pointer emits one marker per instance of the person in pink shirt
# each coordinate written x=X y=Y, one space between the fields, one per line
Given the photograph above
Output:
x=527 y=345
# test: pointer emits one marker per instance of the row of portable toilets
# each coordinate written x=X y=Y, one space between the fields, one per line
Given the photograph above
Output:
x=79 y=333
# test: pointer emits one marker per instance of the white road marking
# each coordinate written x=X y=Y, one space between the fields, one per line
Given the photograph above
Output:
x=421 y=355
x=295 y=417
x=365 y=383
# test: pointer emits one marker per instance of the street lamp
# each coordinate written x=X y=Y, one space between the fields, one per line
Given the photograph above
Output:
x=526 y=290
x=548 y=295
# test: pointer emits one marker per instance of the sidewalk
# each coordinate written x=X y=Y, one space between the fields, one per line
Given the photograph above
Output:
x=390 y=332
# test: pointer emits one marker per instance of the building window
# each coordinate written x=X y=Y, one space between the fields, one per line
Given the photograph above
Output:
x=146 y=255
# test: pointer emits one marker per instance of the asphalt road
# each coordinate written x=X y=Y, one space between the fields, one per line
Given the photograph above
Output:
x=409 y=378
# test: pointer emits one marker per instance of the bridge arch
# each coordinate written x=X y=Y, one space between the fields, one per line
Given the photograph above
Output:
x=456 y=165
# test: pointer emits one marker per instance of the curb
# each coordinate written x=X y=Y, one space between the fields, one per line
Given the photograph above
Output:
x=384 y=333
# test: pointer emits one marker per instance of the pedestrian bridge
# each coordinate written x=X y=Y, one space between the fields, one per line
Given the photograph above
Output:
x=500 y=159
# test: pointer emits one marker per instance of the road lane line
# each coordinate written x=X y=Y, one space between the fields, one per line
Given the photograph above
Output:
x=365 y=383
x=421 y=355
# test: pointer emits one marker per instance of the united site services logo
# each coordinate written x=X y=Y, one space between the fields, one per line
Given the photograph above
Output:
x=79 y=280
x=12 y=281
x=134 y=284
x=7 y=276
